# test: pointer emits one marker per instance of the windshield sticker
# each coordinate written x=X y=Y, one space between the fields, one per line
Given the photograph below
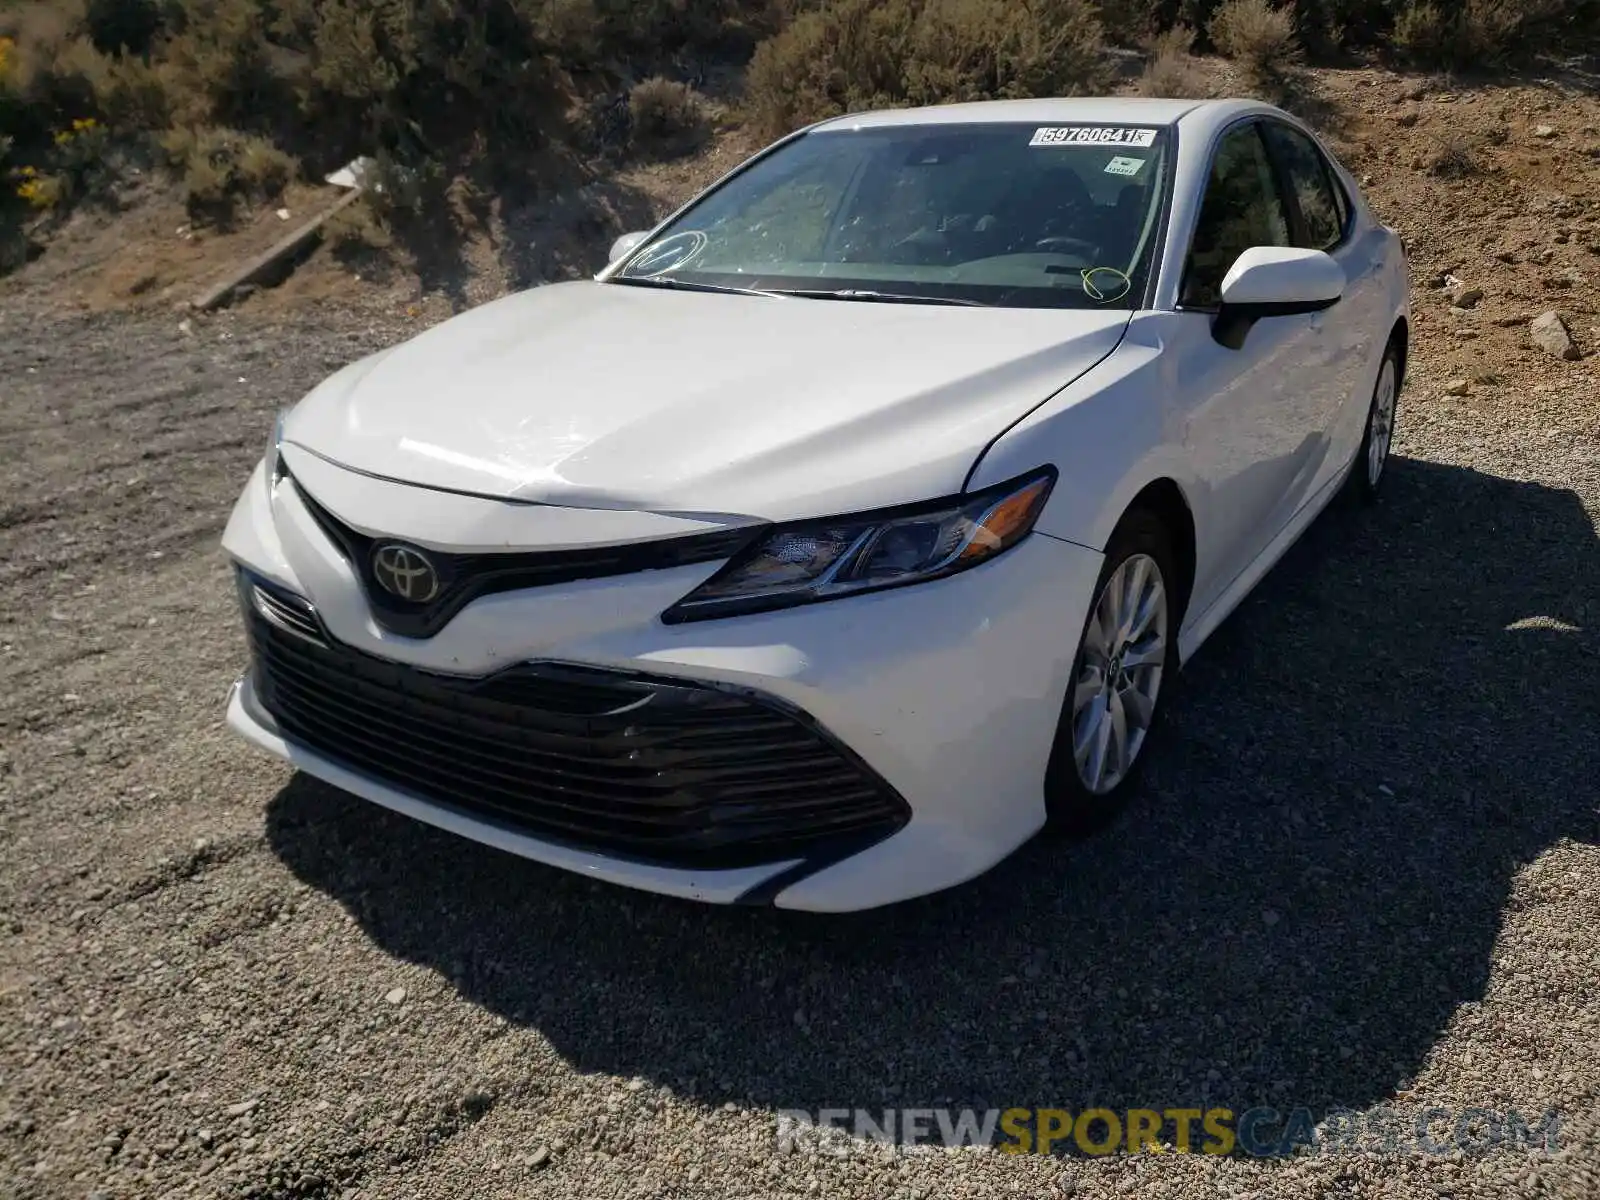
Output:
x=1122 y=165
x=1092 y=135
x=669 y=254
x=1105 y=284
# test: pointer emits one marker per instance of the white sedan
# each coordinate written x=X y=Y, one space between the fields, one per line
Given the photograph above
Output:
x=850 y=525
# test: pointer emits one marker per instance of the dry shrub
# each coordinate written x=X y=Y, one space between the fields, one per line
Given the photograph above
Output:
x=855 y=54
x=219 y=69
x=1453 y=157
x=1462 y=34
x=664 y=114
x=220 y=167
x=1172 y=71
x=1257 y=36
x=356 y=232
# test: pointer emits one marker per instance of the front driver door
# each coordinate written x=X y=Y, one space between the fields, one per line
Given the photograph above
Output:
x=1247 y=413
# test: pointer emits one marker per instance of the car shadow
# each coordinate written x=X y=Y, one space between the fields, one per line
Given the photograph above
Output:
x=1309 y=885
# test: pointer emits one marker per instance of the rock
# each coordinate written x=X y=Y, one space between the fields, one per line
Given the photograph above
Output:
x=539 y=1158
x=242 y=1108
x=395 y=995
x=1463 y=296
x=1457 y=387
x=1407 y=119
x=1544 y=131
x=1550 y=334
x=1269 y=917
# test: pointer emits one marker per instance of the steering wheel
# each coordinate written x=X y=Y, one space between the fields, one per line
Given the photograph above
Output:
x=1061 y=241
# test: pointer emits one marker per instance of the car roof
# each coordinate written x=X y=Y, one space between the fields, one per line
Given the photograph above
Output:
x=1087 y=110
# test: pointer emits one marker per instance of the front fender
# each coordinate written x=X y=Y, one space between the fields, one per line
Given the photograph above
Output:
x=1110 y=434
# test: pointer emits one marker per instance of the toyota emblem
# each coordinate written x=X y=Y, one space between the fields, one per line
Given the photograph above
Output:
x=406 y=573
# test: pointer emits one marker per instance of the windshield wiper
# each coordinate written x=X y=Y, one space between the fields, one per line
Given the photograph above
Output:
x=686 y=285
x=882 y=297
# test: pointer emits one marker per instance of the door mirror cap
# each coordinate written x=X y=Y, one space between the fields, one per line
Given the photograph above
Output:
x=1283 y=278
x=625 y=244
x=1274 y=281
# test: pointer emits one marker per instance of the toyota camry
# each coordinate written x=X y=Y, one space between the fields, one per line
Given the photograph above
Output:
x=849 y=527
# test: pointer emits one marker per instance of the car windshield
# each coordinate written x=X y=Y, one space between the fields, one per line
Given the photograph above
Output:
x=995 y=214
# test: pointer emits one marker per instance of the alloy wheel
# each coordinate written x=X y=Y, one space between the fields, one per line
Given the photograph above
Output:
x=1380 y=430
x=1119 y=673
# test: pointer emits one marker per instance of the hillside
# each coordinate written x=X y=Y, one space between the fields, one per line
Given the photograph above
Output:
x=1495 y=184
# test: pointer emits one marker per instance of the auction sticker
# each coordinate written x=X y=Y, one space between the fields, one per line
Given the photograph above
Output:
x=1092 y=135
x=1123 y=165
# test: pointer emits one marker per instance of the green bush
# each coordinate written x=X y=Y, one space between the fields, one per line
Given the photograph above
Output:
x=221 y=167
x=855 y=54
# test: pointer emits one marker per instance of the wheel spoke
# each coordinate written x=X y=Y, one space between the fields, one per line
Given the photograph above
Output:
x=1091 y=681
x=1137 y=707
x=1151 y=652
x=1150 y=603
x=1117 y=737
x=1138 y=572
x=1086 y=726
x=1100 y=749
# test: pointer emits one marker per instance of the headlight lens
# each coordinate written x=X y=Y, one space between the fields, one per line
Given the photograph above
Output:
x=274 y=463
x=823 y=560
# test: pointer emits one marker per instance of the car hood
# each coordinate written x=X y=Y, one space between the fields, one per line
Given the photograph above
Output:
x=593 y=395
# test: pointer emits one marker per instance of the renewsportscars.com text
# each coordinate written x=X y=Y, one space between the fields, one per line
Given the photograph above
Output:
x=1261 y=1132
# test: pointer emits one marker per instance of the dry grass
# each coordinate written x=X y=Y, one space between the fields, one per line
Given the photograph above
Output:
x=221 y=167
x=665 y=115
x=1257 y=35
x=1171 y=70
x=855 y=54
x=357 y=231
x=1453 y=157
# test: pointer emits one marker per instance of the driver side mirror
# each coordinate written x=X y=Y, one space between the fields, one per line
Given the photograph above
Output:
x=1274 y=281
x=625 y=244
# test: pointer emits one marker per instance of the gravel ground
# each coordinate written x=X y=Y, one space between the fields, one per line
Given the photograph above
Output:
x=1364 y=870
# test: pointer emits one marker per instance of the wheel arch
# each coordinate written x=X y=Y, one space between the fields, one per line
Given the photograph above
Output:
x=1400 y=338
x=1165 y=499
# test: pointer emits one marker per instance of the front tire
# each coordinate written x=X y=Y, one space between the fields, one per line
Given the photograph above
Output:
x=1127 y=654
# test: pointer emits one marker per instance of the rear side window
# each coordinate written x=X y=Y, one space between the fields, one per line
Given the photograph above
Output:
x=1242 y=208
x=1311 y=180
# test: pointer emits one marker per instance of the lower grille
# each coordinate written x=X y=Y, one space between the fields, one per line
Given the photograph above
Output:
x=638 y=767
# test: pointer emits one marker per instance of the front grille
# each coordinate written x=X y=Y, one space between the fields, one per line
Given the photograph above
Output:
x=465 y=577
x=639 y=767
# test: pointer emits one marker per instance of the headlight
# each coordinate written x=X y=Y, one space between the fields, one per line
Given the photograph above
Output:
x=274 y=470
x=842 y=556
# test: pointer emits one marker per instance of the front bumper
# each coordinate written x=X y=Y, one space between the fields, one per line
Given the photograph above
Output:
x=948 y=693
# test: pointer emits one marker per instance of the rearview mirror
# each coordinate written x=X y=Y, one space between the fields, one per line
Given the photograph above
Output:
x=1275 y=281
x=624 y=244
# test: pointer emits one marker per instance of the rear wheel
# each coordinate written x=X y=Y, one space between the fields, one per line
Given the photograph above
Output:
x=1370 y=467
x=1126 y=656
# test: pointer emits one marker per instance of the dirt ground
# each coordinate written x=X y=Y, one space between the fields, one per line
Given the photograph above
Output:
x=1363 y=873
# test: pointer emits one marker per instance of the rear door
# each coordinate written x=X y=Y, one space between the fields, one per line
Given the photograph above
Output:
x=1335 y=409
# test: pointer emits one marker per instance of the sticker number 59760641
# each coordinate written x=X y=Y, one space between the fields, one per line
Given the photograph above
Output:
x=1092 y=135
